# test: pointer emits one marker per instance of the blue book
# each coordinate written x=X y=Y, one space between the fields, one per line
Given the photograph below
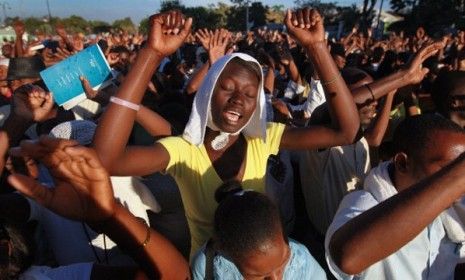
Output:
x=62 y=79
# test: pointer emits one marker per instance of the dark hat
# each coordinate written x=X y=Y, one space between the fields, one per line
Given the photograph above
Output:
x=25 y=67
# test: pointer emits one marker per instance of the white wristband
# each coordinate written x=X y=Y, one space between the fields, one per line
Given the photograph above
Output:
x=124 y=103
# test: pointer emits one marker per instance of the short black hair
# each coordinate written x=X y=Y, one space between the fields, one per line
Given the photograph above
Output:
x=352 y=75
x=244 y=220
x=413 y=134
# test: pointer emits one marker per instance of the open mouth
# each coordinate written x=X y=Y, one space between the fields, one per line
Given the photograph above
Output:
x=232 y=116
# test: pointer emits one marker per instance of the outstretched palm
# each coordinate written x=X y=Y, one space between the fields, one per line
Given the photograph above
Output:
x=82 y=186
x=416 y=72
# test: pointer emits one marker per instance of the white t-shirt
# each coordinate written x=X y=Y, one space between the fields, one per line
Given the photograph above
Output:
x=328 y=175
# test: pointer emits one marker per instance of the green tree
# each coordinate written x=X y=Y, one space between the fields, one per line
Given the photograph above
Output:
x=98 y=26
x=433 y=15
x=275 y=14
x=167 y=5
x=236 y=19
x=144 y=25
x=124 y=24
x=74 y=24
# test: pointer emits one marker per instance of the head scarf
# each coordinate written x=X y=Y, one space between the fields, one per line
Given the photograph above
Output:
x=201 y=117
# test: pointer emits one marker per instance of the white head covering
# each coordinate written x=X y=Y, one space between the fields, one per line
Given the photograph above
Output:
x=200 y=116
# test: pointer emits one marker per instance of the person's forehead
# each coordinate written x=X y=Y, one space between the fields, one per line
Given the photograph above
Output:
x=233 y=69
x=444 y=146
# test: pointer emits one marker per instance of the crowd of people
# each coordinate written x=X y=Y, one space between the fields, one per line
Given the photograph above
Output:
x=296 y=156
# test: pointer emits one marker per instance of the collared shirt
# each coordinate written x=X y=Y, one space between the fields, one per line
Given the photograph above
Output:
x=301 y=266
x=430 y=255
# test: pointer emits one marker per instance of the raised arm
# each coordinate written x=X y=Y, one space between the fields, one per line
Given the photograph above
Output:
x=19 y=31
x=167 y=33
x=385 y=228
x=413 y=74
x=306 y=26
x=375 y=133
x=83 y=192
x=215 y=44
x=151 y=121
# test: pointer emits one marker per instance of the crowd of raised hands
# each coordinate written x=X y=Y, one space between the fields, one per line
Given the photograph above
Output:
x=402 y=68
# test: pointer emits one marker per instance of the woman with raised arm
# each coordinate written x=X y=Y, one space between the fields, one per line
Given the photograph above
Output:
x=227 y=136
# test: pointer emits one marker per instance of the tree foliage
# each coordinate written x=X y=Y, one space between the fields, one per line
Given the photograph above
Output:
x=433 y=15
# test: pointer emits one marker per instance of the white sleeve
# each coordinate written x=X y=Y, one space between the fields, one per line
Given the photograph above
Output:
x=351 y=206
x=293 y=89
x=316 y=96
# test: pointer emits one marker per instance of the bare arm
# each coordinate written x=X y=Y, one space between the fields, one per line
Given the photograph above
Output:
x=375 y=133
x=215 y=44
x=115 y=126
x=411 y=75
x=83 y=192
x=382 y=230
x=155 y=124
x=19 y=31
x=307 y=27
x=292 y=69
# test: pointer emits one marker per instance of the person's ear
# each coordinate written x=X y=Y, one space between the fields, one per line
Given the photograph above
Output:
x=401 y=163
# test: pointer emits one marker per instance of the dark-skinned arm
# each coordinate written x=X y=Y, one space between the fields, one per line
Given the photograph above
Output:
x=375 y=134
x=306 y=26
x=413 y=74
x=83 y=192
x=384 y=229
x=19 y=31
x=167 y=33
x=215 y=44
x=152 y=122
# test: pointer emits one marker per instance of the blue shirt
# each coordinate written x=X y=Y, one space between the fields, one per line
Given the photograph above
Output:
x=301 y=266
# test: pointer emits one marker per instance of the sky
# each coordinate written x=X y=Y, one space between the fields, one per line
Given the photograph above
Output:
x=109 y=10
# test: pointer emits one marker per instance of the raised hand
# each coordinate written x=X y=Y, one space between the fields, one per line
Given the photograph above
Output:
x=306 y=26
x=415 y=71
x=218 y=43
x=19 y=28
x=63 y=53
x=32 y=103
x=204 y=35
x=82 y=186
x=60 y=30
x=88 y=90
x=168 y=32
